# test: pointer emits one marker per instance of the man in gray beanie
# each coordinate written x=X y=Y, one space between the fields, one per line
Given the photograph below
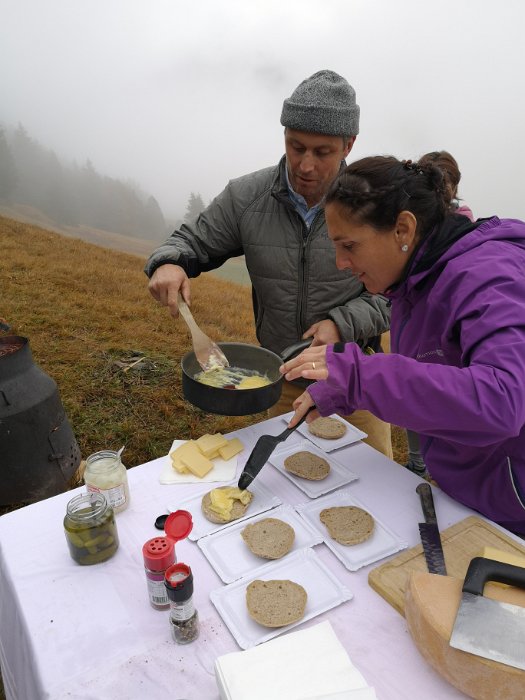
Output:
x=274 y=217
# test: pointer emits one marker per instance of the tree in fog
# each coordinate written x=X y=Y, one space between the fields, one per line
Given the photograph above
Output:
x=8 y=176
x=194 y=207
x=72 y=195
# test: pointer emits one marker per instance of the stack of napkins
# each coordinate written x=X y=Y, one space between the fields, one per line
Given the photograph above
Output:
x=311 y=664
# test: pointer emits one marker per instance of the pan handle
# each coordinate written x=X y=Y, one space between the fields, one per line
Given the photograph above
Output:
x=295 y=349
x=481 y=570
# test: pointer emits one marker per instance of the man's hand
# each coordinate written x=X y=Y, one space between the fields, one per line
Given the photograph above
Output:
x=323 y=333
x=165 y=284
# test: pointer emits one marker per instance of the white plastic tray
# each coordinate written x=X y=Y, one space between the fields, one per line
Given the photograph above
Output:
x=303 y=567
x=352 y=434
x=382 y=543
x=262 y=501
x=338 y=476
x=230 y=556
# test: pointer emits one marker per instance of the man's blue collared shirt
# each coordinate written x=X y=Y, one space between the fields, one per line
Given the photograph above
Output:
x=300 y=205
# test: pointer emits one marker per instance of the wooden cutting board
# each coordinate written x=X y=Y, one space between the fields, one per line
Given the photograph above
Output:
x=461 y=542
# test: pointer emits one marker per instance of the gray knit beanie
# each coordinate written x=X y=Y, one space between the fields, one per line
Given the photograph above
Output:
x=324 y=103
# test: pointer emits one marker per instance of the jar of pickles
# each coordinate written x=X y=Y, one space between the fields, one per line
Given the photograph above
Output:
x=106 y=474
x=90 y=528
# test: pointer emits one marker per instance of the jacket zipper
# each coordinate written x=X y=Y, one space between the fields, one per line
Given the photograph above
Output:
x=513 y=482
x=305 y=247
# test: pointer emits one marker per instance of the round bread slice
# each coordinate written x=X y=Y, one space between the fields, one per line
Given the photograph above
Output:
x=327 y=428
x=269 y=538
x=238 y=509
x=307 y=465
x=275 y=603
x=348 y=524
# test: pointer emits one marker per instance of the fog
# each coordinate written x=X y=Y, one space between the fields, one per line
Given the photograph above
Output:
x=180 y=97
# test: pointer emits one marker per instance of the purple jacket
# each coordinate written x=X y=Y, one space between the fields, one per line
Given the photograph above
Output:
x=456 y=374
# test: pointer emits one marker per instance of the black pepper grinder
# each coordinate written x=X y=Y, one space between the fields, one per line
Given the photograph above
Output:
x=184 y=620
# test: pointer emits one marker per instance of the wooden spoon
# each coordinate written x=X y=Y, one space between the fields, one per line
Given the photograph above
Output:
x=208 y=354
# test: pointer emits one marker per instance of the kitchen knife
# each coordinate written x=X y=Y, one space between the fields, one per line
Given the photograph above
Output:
x=486 y=627
x=429 y=532
x=264 y=447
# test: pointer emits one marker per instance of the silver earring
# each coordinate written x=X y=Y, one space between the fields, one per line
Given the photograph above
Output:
x=404 y=247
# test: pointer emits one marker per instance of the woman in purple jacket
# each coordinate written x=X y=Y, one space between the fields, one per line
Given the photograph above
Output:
x=456 y=373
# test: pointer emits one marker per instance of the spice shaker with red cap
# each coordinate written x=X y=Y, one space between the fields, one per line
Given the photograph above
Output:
x=159 y=555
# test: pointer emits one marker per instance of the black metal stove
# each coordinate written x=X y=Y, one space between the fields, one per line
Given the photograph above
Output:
x=38 y=451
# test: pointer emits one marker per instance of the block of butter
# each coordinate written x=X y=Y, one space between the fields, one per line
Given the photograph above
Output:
x=505 y=557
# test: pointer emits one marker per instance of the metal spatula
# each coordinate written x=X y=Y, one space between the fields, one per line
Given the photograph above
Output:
x=208 y=354
x=264 y=447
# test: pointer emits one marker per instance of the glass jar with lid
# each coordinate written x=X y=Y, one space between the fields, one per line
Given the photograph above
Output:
x=106 y=474
x=90 y=528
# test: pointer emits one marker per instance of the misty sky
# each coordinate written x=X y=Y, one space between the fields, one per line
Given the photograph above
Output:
x=182 y=96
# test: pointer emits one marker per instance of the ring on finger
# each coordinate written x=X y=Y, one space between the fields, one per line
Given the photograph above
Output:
x=313 y=365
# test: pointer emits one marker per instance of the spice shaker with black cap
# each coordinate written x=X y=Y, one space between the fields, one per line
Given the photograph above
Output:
x=184 y=619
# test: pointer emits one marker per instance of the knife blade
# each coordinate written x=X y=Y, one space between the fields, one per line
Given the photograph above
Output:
x=429 y=532
x=486 y=627
x=264 y=447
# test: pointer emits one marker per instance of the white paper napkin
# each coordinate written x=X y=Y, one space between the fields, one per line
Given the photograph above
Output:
x=310 y=664
x=224 y=470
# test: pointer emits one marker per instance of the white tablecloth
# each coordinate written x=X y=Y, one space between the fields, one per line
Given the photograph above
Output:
x=70 y=631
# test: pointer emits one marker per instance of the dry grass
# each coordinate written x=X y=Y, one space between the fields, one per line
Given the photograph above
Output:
x=85 y=308
x=86 y=311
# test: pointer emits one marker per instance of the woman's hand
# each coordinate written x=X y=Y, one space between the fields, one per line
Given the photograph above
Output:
x=301 y=405
x=310 y=364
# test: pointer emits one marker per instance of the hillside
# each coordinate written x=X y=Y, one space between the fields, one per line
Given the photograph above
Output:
x=88 y=316
x=86 y=311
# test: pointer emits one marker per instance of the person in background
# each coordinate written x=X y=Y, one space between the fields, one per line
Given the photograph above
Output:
x=451 y=179
x=455 y=374
x=275 y=219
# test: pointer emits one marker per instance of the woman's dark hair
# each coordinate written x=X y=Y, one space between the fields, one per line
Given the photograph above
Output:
x=448 y=165
x=376 y=189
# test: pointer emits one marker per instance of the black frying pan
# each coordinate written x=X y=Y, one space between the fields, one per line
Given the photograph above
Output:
x=238 y=402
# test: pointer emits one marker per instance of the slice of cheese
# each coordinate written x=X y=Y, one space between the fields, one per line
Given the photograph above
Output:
x=176 y=456
x=505 y=557
x=208 y=444
x=232 y=448
x=196 y=462
x=177 y=464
